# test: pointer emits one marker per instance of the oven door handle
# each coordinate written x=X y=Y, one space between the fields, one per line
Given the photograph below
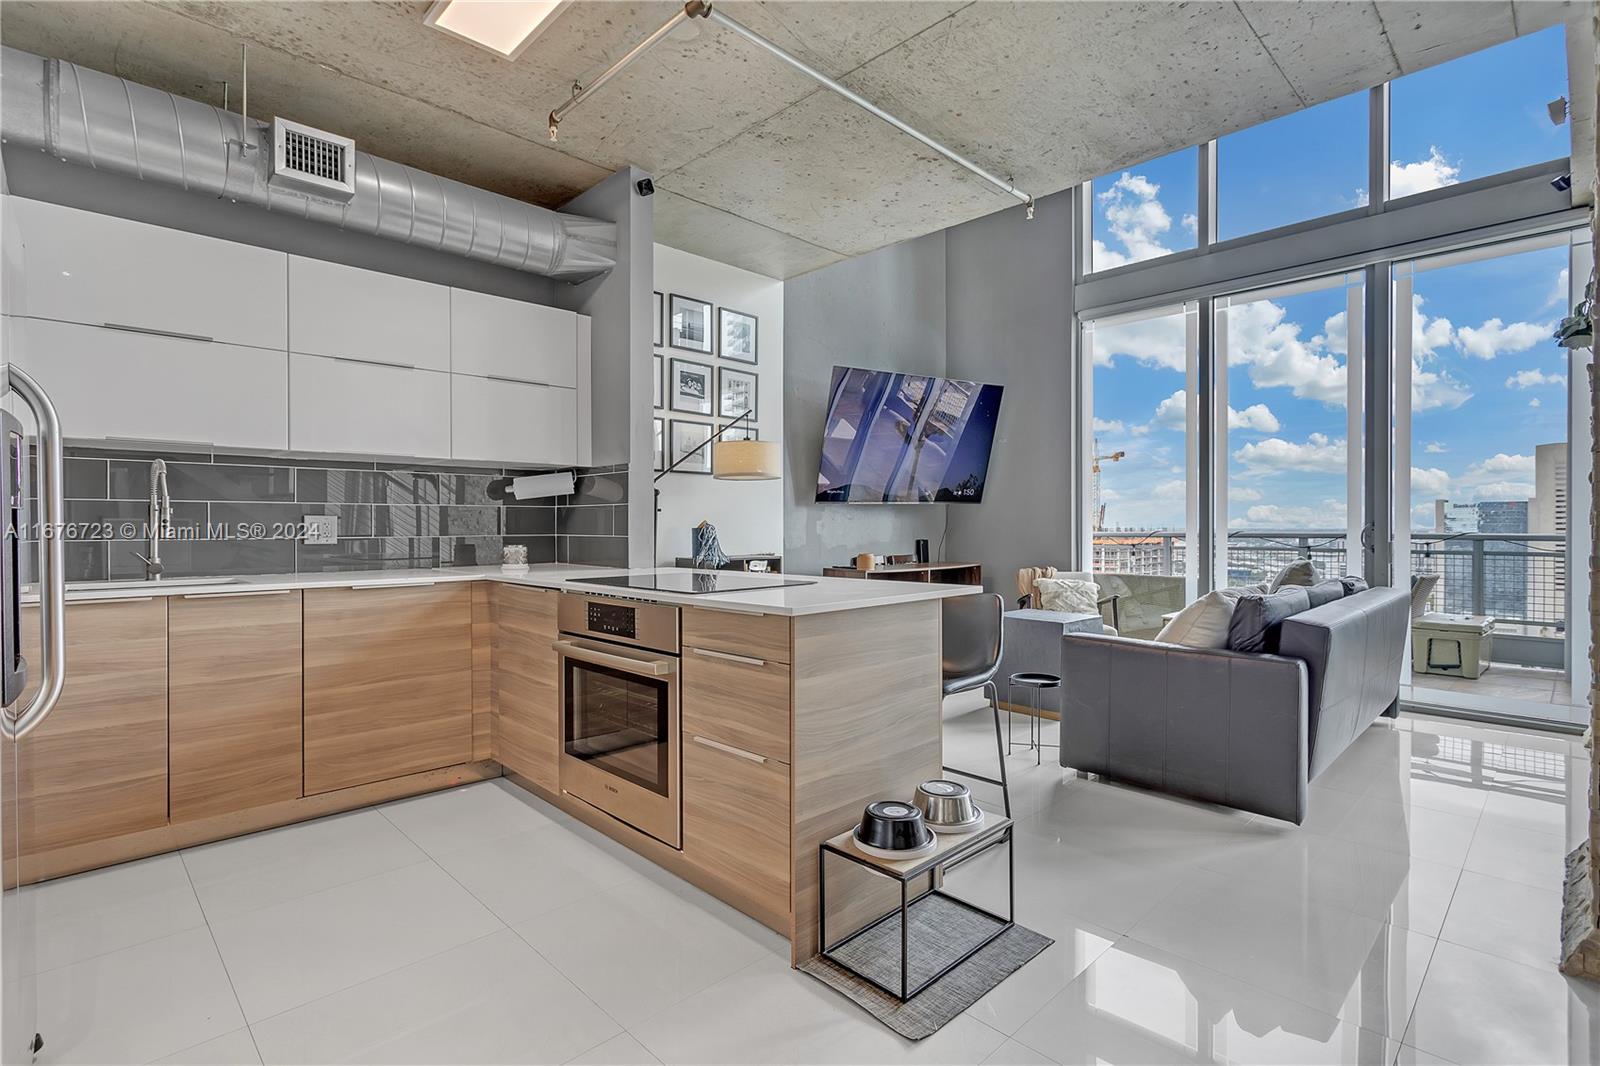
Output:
x=587 y=653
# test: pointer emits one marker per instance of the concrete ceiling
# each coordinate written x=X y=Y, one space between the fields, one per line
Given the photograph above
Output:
x=755 y=164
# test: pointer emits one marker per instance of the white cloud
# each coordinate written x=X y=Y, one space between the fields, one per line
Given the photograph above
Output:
x=1112 y=425
x=1527 y=379
x=1435 y=448
x=1154 y=341
x=1169 y=490
x=1495 y=337
x=1561 y=293
x=1329 y=514
x=1318 y=454
x=1261 y=338
x=1191 y=223
x=1534 y=402
x=1243 y=494
x=1430 y=482
x=1136 y=218
x=1257 y=417
x=1501 y=463
x=1434 y=172
x=1502 y=490
x=1173 y=412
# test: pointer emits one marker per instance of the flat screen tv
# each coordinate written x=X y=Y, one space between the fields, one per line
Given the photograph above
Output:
x=905 y=438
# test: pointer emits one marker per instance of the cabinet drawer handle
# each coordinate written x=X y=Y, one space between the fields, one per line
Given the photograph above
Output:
x=372 y=362
x=125 y=328
x=728 y=749
x=231 y=595
x=729 y=656
x=522 y=381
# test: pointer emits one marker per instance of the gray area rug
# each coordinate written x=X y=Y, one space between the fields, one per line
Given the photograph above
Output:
x=940 y=932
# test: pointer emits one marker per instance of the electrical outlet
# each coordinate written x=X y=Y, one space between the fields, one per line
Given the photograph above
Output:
x=321 y=529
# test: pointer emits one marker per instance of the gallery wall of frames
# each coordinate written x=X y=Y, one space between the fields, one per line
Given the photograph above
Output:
x=717 y=362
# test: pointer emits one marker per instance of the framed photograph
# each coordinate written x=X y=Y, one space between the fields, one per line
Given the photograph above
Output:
x=738 y=332
x=658 y=319
x=737 y=393
x=661 y=444
x=743 y=431
x=690 y=387
x=656 y=387
x=689 y=322
x=686 y=436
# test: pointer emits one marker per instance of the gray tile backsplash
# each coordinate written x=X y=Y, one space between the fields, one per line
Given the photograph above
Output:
x=238 y=514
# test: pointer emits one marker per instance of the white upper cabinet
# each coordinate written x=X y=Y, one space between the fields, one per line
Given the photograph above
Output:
x=79 y=266
x=115 y=385
x=512 y=422
x=351 y=313
x=493 y=337
x=356 y=408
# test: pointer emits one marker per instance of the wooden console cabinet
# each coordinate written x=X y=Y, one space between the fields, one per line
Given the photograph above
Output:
x=388 y=682
x=233 y=701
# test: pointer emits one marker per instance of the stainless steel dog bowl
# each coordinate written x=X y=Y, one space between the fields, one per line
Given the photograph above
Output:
x=946 y=804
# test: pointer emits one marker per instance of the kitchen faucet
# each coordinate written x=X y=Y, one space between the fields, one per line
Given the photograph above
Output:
x=160 y=520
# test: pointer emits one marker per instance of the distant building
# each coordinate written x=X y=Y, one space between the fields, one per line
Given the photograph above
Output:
x=1547 y=514
x=1454 y=517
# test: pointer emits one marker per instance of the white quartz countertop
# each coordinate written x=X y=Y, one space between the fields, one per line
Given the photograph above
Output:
x=823 y=595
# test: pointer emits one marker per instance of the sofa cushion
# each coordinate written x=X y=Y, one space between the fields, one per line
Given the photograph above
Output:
x=1299 y=572
x=1069 y=594
x=1325 y=591
x=1257 y=619
x=1202 y=624
x=1353 y=584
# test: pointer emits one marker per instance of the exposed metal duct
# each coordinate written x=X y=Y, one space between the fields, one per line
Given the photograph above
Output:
x=111 y=124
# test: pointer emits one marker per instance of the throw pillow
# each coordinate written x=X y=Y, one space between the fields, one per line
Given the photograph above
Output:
x=1353 y=584
x=1258 y=618
x=1233 y=592
x=1202 y=624
x=1325 y=591
x=1068 y=594
x=1299 y=572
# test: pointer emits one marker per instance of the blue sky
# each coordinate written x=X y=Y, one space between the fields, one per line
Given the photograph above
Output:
x=1489 y=383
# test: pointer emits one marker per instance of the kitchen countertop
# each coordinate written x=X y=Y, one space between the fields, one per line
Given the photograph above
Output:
x=823 y=596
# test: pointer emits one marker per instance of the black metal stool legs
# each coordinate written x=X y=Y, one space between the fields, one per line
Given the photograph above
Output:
x=993 y=693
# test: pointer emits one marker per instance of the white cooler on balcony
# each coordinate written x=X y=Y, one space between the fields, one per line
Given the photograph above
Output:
x=1456 y=645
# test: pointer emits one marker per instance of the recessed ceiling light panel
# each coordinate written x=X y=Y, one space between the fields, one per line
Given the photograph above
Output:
x=504 y=27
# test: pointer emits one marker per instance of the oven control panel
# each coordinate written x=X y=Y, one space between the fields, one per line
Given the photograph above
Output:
x=613 y=620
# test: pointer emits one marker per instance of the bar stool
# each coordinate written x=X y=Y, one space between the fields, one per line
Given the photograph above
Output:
x=973 y=641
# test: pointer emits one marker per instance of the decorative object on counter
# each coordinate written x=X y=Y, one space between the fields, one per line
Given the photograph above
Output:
x=931 y=940
x=922 y=550
x=689 y=324
x=893 y=829
x=657 y=385
x=947 y=807
x=866 y=561
x=691 y=387
x=657 y=324
x=514 y=559
x=745 y=460
x=736 y=391
x=708 y=553
x=739 y=335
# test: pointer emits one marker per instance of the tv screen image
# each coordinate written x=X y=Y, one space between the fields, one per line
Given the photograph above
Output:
x=906 y=438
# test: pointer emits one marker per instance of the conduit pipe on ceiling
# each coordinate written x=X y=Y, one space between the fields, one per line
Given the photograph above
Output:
x=107 y=123
x=704 y=9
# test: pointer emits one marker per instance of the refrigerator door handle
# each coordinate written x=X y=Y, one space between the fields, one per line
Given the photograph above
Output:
x=16 y=722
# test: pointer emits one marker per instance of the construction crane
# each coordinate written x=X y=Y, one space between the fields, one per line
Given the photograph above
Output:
x=1097 y=508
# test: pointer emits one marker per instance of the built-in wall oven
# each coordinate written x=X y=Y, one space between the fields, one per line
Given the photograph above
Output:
x=619 y=710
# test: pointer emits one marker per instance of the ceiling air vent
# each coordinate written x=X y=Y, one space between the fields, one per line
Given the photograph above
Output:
x=312 y=162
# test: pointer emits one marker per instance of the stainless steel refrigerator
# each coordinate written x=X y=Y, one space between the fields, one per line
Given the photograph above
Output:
x=29 y=688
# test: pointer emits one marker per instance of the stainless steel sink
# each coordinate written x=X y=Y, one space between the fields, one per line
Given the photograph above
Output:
x=141 y=583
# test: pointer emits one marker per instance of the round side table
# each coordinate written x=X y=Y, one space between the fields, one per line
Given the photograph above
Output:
x=1034 y=681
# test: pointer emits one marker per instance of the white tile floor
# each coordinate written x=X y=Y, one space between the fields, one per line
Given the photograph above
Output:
x=1411 y=921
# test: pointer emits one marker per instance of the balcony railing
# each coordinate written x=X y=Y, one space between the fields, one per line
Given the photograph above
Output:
x=1518 y=578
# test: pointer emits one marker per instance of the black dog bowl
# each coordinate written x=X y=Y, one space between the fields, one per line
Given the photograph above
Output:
x=893 y=826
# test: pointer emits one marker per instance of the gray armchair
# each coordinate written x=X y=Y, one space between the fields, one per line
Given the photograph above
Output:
x=1247 y=731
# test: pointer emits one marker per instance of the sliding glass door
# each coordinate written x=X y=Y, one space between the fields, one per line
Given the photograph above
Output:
x=1143 y=461
x=1287 y=412
x=1490 y=478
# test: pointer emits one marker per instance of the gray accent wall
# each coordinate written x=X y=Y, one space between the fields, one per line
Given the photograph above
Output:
x=885 y=310
x=989 y=300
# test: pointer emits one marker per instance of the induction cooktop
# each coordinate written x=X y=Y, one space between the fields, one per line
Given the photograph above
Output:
x=692 y=582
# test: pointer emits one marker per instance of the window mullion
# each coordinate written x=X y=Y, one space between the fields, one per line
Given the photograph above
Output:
x=1378 y=149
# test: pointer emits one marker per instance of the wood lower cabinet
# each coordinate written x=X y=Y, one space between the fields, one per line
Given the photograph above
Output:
x=233 y=701
x=96 y=767
x=388 y=682
x=527 y=727
x=736 y=825
x=737 y=699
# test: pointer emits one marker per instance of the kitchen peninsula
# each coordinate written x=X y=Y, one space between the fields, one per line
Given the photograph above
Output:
x=196 y=711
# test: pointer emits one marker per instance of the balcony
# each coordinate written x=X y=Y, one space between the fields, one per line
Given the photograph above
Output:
x=1520 y=579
